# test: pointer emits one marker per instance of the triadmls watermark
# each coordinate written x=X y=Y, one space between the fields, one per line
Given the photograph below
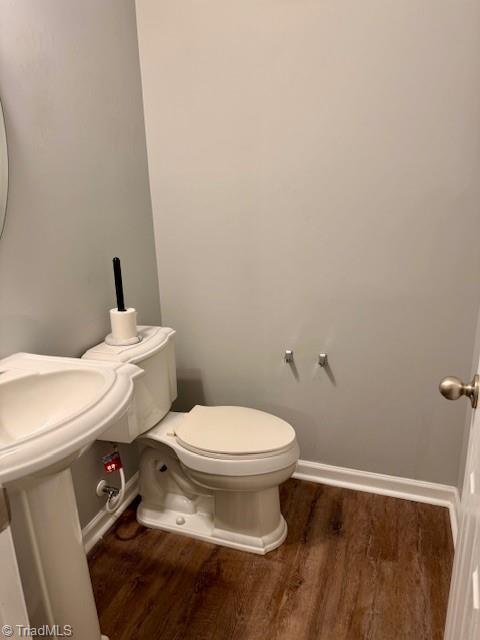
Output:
x=45 y=631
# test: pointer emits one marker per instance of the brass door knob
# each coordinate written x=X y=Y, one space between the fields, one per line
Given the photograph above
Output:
x=453 y=388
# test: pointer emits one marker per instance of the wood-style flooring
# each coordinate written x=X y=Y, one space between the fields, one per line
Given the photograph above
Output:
x=354 y=566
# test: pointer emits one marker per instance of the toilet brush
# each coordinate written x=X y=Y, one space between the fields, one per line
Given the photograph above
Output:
x=123 y=320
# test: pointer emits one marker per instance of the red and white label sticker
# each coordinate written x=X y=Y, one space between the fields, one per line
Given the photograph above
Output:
x=112 y=462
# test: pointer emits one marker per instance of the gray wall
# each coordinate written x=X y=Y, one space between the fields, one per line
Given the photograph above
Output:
x=79 y=193
x=314 y=173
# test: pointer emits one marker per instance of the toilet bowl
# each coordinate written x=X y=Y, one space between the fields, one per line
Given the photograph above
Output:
x=212 y=473
x=229 y=498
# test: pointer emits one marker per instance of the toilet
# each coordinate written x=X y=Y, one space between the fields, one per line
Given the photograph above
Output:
x=212 y=473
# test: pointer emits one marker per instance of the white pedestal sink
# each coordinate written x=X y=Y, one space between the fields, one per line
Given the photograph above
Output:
x=51 y=410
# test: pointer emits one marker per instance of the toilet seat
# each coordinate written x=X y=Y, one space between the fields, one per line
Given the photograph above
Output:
x=238 y=465
x=229 y=432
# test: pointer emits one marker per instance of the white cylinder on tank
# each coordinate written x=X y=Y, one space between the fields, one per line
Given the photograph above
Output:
x=124 y=327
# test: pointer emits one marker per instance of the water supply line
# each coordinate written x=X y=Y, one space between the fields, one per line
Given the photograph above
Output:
x=114 y=501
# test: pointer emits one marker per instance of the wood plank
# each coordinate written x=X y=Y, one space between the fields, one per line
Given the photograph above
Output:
x=354 y=566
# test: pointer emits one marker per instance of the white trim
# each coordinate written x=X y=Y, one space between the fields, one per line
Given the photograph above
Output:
x=101 y=523
x=429 y=492
x=396 y=487
x=12 y=600
x=455 y=514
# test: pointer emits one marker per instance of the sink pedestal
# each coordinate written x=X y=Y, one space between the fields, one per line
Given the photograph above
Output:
x=49 y=511
x=53 y=409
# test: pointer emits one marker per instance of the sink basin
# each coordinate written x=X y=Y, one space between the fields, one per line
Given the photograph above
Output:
x=51 y=410
x=34 y=403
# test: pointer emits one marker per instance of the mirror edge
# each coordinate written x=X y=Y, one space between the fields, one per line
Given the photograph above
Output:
x=3 y=171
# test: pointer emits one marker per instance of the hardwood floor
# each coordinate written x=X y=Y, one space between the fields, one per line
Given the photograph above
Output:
x=354 y=566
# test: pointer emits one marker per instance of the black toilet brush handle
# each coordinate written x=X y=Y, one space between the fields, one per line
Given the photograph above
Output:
x=117 y=272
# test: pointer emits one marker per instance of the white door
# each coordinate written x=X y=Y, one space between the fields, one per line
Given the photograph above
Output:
x=463 y=617
x=13 y=612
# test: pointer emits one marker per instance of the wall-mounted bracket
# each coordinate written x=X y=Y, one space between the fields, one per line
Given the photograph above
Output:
x=323 y=360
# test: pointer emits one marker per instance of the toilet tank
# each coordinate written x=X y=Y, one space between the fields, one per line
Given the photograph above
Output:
x=154 y=391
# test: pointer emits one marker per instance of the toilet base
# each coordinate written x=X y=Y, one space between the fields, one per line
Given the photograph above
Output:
x=200 y=525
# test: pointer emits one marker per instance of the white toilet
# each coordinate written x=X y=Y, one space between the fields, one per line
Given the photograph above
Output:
x=212 y=473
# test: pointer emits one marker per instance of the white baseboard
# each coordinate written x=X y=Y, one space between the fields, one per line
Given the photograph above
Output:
x=396 y=487
x=99 y=525
x=429 y=492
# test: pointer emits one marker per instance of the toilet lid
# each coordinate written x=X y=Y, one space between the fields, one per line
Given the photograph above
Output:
x=233 y=431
